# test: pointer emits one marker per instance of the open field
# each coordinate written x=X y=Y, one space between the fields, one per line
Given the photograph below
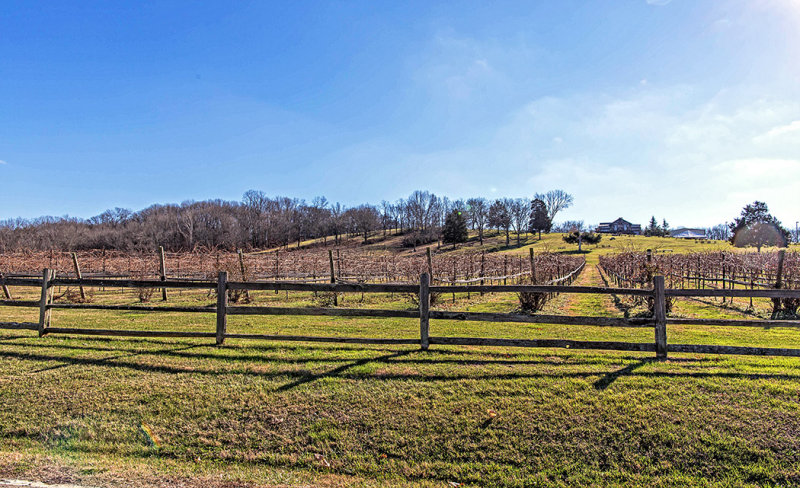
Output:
x=110 y=411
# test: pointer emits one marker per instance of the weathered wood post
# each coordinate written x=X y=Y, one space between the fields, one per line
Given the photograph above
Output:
x=430 y=261
x=78 y=274
x=776 y=302
x=723 y=277
x=222 y=306
x=424 y=310
x=244 y=273
x=277 y=267
x=648 y=266
x=483 y=268
x=333 y=278
x=660 y=316
x=162 y=271
x=533 y=267
x=45 y=301
x=6 y=291
x=455 y=276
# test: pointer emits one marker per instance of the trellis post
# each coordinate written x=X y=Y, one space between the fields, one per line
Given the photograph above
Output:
x=78 y=274
x=162 y=271
x=6 y=291
x=333 y=278
x=776 y=302
x=45 y=301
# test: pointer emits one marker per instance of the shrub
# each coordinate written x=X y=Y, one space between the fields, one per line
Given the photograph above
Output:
x=667 y=305
x=73 y=296
x=787 y=309
x=326 y=299
x=415 y=239
x=145 y=294
x=531 y=301
x=435 y=297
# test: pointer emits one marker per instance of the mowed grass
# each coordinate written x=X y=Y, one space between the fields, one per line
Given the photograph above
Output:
x=278 y=412
x=119 y=412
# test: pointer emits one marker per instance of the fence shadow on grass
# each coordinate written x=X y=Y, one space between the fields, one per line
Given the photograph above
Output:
x=725 y=306
x=298 y=378
x=260 y=353
x=618 y=303
x=66 y=361
x=337 y=372
x=609 y=378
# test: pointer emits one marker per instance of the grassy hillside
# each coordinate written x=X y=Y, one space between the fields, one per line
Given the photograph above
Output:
x=496 y=242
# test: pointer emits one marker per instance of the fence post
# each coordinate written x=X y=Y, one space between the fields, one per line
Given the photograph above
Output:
x=44 y=302
x=6 y=292
x=660 y=316
x=430 y=261
x=222 y=306
x=424 y=309
x=162 y=269
x=78 y=274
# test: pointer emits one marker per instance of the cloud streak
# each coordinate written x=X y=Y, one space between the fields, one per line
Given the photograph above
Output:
x=778 y=132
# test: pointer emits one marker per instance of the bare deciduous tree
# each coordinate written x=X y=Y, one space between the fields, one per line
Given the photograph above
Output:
x=556 y=201
x=478 y=211
x=520 y=211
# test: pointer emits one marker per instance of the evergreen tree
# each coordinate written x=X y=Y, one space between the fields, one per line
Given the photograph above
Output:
x=540 y=221
x=652 y=228
x=455 y=228
x=756 y=227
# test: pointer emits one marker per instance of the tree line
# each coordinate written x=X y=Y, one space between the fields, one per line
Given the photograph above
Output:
x=261 y=221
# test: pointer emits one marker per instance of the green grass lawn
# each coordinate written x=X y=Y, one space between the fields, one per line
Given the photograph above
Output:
x=121 y=412
x=297 y=413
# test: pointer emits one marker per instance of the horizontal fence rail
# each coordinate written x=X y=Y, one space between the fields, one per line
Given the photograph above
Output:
x=658 y=322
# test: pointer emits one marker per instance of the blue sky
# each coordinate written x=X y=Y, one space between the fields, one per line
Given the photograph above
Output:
x=683 y=109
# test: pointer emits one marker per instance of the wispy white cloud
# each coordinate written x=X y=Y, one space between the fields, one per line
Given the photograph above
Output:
x=778 y=132
x=658 y=2
x=3 y=162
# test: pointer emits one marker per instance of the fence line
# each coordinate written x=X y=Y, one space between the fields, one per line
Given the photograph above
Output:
x=658 y=322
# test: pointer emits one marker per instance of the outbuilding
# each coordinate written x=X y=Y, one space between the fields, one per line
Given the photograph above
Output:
x=685 y=233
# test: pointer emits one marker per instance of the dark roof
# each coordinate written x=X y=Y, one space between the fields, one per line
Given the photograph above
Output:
x=619 y=221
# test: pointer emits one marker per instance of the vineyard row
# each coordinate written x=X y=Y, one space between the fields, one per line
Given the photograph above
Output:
x=302 y=265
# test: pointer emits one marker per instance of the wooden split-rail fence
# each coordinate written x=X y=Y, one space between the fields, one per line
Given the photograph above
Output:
x=659 y=322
